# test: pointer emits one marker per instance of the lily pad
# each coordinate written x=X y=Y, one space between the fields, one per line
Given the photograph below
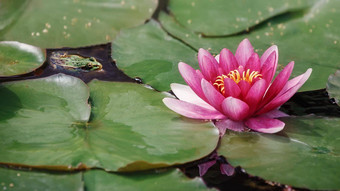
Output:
x=333 y=86
x=17 y=58
x=134 y=130
x=309 y=37
x=45 y=123
x=75 y=23
x=9 y=10
x=220 y=17
x=29 y=180
x=38 y=119
x=151 y=54
x=306 y=154
x=166 y=180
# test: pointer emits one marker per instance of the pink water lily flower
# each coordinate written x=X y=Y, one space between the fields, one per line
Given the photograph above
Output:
x=236 y=91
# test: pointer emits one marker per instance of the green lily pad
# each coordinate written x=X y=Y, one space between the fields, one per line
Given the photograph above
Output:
x=17 y=58
x=75 y=23
x=9 y=10
x=220 y=17
x=166 y=180
x=38 y=121
x=310 y=38
x=45 y=123
x=134 y=130
x=306 y=154
x=151 y=54
x=333 y=86
x=29 y=180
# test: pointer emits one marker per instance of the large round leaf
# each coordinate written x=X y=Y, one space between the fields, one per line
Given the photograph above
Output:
x=132 y=129
x=333 y=86
x=151 y=54
x=44 y=123
x=220 y=17
x=18 y=180
x=306 y=154
x=167 y=180
x=38 y=121
x=50 y=23
x=9 y=10
x=309 y=38
x=17 y=58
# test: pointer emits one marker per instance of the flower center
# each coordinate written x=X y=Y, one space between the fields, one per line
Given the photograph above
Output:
x=235 y=75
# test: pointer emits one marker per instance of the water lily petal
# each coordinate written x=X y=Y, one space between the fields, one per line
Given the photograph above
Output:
x=191 y=78
x=279 y=82
x=244 y=87
x=234 y=108
x=185 y=93
x=268 y=52
x=243 y=52
x=231 y=88
x=254 y=63
x=287 y=92
x=265 y=125
x=214 y=97
x=224 y=124
x=199 y=74
x=255 y=94
x=207 y=64
x=269 y=67
x=217 y=58
x=227 y=61
x=204 y=167
x=297 y=81
x=227 y=169
x=191 y=110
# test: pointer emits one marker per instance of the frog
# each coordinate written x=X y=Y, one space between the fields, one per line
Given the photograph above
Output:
x=75 y=62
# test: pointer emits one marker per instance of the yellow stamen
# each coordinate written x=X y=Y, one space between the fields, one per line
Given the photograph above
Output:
x=235 y=75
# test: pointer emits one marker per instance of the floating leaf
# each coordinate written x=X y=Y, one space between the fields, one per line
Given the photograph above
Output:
x=9 y=10
x=29 y=180
x=75 y=23
x=44 y=123
x=306 y=154
x=17 y=58
x=308 y=37
x=133 y=129
x=333 y=86
x=167 y=180
x=220 y=17
x=38 y=121
x=151 y=54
